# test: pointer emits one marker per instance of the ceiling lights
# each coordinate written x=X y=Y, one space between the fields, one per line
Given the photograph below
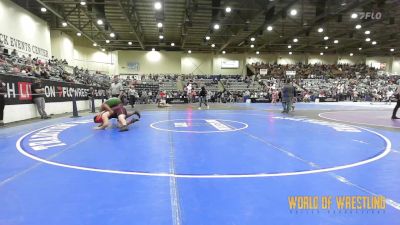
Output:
x=320 y=30
x=290 y=53
x=321 y=53
x=326 y=38
x=359 y=49
x=374 y=43
x=172 y=44
x=367 y=39
x=94 y=44
x=189 y=51
x=392 y=49
x=213 y=45
x=79 y=34
x=83 y=2
x=64 y=24
x=336 y=41
x=157 y=5
x=107 y=41
x=351 y=54
x=130 y=43
x=257 y=52
x=223 y=52
x=161 y=36
x=208 y=38
x=289 y=46
x=99 y=22
x=326 y=47
x=358 y=26
x=295 y=40
x=112 y=35
x=103 y=49
x=228 y=9
x=293 y=12
x=354 y=15
x=367 y=32
x=159 y=25
x=216 y=26
x=252 y=39
x=251 y=46
x=269 y=28
x=43 y=9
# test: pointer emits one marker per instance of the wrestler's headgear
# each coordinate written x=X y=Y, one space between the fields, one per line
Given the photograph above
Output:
x=98 y=119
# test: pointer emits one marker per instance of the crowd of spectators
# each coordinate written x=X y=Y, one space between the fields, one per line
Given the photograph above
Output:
x=316 y=70
x=51 y=69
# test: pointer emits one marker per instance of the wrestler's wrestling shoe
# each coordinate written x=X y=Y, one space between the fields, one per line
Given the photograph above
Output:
x=123 y=128
x=137 y=113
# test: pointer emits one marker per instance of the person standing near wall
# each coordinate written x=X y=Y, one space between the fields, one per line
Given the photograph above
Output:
x=3 y=91
x=397 y=94
x=38 y=98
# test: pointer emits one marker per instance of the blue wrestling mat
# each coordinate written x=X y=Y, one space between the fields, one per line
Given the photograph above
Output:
x=198 y=167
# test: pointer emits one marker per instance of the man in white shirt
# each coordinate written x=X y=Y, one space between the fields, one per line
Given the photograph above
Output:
x=116 y=88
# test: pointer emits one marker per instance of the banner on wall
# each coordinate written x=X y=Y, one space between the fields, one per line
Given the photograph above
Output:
x=19 y=90
x=263 y=71
x=230 y=64
x=290 y=73
x=134 y=66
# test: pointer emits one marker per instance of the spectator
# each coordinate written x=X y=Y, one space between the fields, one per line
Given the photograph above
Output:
x=14 y=53
x=3 y=91
x=1 y=47
x=394 y=115
x=38 y=98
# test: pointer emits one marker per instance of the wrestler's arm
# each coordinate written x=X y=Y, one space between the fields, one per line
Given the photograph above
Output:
x=105 y=107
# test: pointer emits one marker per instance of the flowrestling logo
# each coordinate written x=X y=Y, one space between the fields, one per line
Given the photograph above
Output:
x=49 y=137
x=336 y=126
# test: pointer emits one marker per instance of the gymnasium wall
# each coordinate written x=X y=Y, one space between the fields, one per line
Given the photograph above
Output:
x=396 y=65
x=14 y=113
x=23 y=31
x=379 y=61
x=149 y=62
x=197 y=63
x=94 y=59
x=62 y=45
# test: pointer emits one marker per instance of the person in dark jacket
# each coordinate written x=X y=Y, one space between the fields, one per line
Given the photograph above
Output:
x=397 y=94
x=203 y=97
x=288 y=93
x=3 y=91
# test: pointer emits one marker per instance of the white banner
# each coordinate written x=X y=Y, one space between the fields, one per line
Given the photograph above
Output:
x=229 y=64
x=263 y=71
x=290 y=73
